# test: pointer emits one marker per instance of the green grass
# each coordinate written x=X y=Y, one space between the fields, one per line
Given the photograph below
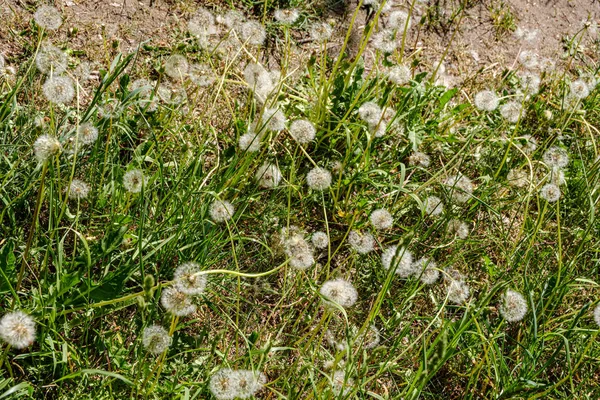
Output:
x=93 y=270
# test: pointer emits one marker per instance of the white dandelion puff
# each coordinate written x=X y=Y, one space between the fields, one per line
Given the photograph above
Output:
x=176 y=302
x=171 y=94
x=134 y=180
x=229 y=384
x=318 y=178
x=530 y=83
x=201 y=75
x=273 y=119
x=296 y=248
x=188 y=280
x=17 y=329
x=420 y=159
x=176 y=66
x=597 y=315
x=361 y=242
x=87 y=133
x=221 y=211
x=51 y=60
x=59 y=89
x=156 y=339
x=511 y=111
x=302 y=131
x=458 y=291
x=249 y=142
x=320 y=31
x=399 y=259
x=513 y=306
x=320 y=240
x=339 y=291
x=458 y=228
x=253 y=33
x=579 y=89
x=286 y=16
x=556 y=157
x=398 y=20
x=381 y=219
x=486 y=100
x=461 y=187
x=268 y=175
x=259 y=80
x=45 y=147
x=202 y=24
x=48 y=17
x=550 y=192
x=340 y=385
x=433 y=206
x=78 y=189
x=385 y=41
x=427 y=270
x=399 y=75
x=529 y=59
x=370 y=112
x=517 y=178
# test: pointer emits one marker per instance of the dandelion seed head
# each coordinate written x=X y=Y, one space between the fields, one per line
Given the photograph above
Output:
x=302 y=131
x=201 y=75
x=385 y=41
x=83 y=71
x=144 y=86
x=556 y=157
x=176 y=66
x=579 y=89
x=287 y=16
x=361 y=242
x=550 y=192
x=461 y=187
x=176 y=302
x=171 y=94
x=222 y=384
x=268 y=175
x=253 y=33
x=221 y=211
x=259 y=80
x=339 y=384
x=511 y=111
x=458 y=228
x=517 y=178
x=320 y=31
x=399 y=259
x=486 y=100
x=399 y=75
x=249 y=142
x=51 y=60
x=458 y=291
x=557 y=176
x=530 y=145
x=318 y=178
x=231 y=19
x=529 y=59
x=339 y=291
x=59 y=89
x=202 y=24
x=433 y=206
x=48 y=17
x=45 y=147
x=274 y=119
x=370 y=112
x=530 y=83
x=597 y=315
x=296 y=248
x=87 y=133
x=17 y=329
x=420 y=159
x=513 y=306
x=134 y=180
x=397 y=20
x=320 y=240
x=78 y=189
x=156 y=339
x=427 y=270
x=187 y=279
x=381 y=219
x=371 y=338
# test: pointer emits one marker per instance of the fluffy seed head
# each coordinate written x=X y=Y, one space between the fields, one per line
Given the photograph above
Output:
x=87 y=133
x=144 y=86
x=385 y=41
x=320 y=31
x=231 y=19
x=399 y=259
x=427 y=270
x=45 y=147
x=187 y=279
x=259 y=80
x=249 y=142
x=419 y=159
x=17 y=329
x=78 y=189
x=458 y=291
x=202 y=24
x=597 y=315
x=48 y=17
x=320 y=240
x=253 y=33
x=579 y=89
x=557 y=176
x=461 y=187
x=59 y=89
x=177 y=66
x=274 y=119
x=381 y=219
x=399 y=75
x=134 y=180
x=171 y=94
x=286 y=16
x=229 y=384
x=530 y=83
x=51 y=60
x=201 y=74
x=221 y=211
x=513 y=306
x=340 y=385
x=176 y=302
x=517 y=178
x=318 y=178
x=296 y=248
x=302 y=131
x=511 y=111
x=370 y=113
x=156 y=339
x=529 y=59
x=397 y=20
x=339 y=291
x=555 y=157
x=550 y=192
x=268 y=175
x=433 y=206
x=486 y=100
x=362 y=242
x=458 y=228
